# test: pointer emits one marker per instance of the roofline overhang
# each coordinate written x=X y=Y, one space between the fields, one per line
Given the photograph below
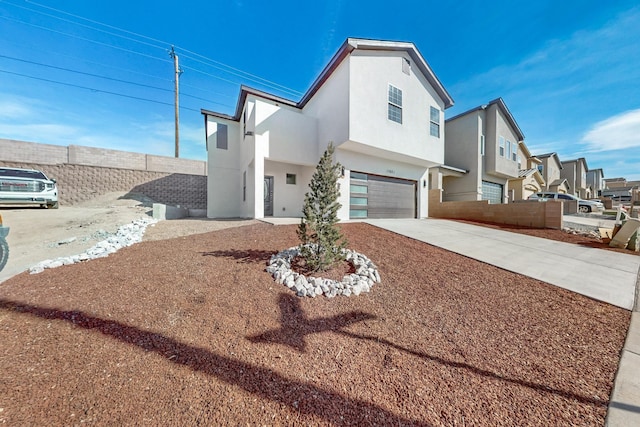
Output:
x=345 y=50
x=499 y=102
x=447 y=170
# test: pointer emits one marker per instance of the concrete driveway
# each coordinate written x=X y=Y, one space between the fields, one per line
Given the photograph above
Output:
x=602 y=275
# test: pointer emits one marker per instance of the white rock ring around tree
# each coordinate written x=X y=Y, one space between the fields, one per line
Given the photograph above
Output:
x=352 y=284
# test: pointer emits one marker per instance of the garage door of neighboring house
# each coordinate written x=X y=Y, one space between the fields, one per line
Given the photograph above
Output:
x=492 y=192
x=374 y=196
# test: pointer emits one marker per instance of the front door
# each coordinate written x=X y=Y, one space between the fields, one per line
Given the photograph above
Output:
x=268 y=196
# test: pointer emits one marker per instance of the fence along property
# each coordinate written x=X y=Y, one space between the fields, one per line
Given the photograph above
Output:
x=83 y=172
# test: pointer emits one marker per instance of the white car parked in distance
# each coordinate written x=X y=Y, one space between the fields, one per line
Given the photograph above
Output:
x=27 y=186
x=584 y=206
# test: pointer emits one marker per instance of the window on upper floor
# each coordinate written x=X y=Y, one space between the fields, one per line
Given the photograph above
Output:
x=222 y=136
x=541 y=169
x=482 y=145
x=519 y=162
x=434 y=122
x=395 y=104
x=501 y=146
x=508 y=154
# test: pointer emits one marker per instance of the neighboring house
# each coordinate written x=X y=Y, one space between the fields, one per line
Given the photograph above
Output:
x=483 y=141
x=380 y=104
x=529 y=180
x=619 y=187
x=612 y=183
x=550 y=168
x=595 y=179
x=575 y=172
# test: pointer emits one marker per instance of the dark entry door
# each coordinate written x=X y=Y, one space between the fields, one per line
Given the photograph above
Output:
x=268 y=196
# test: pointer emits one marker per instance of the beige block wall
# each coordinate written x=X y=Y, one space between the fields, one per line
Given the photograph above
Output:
x=86 y=172
x=169 y=164
x=92 y=156
x=31 y=152
x=526 y=213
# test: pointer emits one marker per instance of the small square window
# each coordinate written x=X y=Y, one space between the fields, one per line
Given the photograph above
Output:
x=291 y=178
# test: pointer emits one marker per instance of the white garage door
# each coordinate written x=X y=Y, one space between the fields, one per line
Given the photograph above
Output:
x=492 y=192
x=374 y=196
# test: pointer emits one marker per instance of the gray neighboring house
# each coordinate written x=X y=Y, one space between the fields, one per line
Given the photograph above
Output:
x=551 y=170
x=595 y=179
x=575 y=172
x=483 y=141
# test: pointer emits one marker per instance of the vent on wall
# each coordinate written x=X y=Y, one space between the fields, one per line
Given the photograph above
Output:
x=406 y=66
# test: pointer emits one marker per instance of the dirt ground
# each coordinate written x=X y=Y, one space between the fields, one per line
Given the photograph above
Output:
x=194 y=331
x=38 y=234
x=184 y=331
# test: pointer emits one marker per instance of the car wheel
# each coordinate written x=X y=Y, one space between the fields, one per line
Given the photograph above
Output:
x=53 y=206
x=4 y=252
x=584 y=209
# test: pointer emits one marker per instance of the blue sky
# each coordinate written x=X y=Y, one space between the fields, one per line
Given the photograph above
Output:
x=99 y=73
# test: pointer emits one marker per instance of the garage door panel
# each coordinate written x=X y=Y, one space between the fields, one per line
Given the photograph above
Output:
x=390 y=197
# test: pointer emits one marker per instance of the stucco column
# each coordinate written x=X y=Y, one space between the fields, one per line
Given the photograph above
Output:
x=345 y=195
x=258 y=205
x=436 y=179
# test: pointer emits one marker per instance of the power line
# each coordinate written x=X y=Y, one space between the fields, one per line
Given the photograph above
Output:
x=94 y=89
x=78 y=23
x=208 y=61
x=84 y=39
x=110 y=78
x=255 y=78
x=128 y=70
x=97 y=22
x=85 y=74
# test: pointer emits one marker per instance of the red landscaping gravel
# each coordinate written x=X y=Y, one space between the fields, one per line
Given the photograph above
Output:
x=194 y=331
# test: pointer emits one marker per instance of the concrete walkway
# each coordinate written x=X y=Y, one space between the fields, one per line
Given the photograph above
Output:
x=607 y=276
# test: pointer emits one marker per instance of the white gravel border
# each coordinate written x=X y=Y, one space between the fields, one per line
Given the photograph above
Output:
x=126 y=235
x=352 y=284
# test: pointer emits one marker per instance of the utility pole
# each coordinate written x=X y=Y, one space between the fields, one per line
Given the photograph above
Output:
x=177 y=72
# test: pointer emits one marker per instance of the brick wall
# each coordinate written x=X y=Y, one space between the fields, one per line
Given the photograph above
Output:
x=85 y=172
x=527 y=213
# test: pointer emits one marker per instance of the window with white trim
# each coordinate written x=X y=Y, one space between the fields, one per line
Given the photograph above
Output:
x=501 y=145
x=482 y=145
x=395 y=104
x=508 y=149
x=434 y=122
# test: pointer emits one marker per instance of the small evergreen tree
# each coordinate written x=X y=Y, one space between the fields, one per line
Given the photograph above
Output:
x=322 y=241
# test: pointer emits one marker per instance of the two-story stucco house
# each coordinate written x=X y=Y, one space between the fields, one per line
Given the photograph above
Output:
x=529 y=180
x=575 y=172
x=595 y=180
x=550 y=168
x=483 y=141
x=380 y=104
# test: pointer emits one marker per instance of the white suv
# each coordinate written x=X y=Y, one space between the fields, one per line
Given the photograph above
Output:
x=584 y=206
x=20 y=186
